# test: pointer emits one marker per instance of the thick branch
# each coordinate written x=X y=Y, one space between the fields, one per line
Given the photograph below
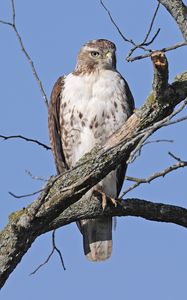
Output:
x=64 y=190
x=130 y=207
x=178 y=10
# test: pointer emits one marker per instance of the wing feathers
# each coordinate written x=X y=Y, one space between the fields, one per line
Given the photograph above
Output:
x=54 y=126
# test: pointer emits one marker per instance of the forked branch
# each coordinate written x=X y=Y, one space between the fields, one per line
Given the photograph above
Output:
x=28 y=57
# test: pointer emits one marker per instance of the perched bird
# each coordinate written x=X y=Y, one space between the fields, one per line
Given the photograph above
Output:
x=86 y=107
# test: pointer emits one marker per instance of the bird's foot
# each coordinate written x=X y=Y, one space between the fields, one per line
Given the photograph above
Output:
x=105 y=199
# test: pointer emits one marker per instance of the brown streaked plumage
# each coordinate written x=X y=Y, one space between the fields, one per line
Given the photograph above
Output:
x=86 y=107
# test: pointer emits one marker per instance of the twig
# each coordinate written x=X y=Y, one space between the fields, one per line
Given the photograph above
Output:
x=152 y=40
x=174 y=156
x=116 y=26
x=133 y=156
x=5 y=23
x=167 y=120
x=150 y=130
x=26 y=195
x=139 y=181
x=150 y=28
x=158 y=141
x=153 y=142
x=140 y=146
x=5 y=137
x=13 y=13
x=166 y=49
x=35 y=177
x=176 y=121
x=14 y=27
x=49 y=256
x=144 y=43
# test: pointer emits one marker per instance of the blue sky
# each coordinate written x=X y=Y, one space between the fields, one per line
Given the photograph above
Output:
x=149 y=258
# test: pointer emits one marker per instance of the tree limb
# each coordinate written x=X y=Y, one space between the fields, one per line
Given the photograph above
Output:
x=165 y=49
x=178 y=11
x=129 y=207
x=8 y=137
x=54 y=249
x=180 y=164
x=30 y=61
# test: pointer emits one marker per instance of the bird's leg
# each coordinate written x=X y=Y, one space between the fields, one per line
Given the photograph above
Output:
x=105 y=199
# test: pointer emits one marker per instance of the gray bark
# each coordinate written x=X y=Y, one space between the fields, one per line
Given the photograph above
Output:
x=178 y=11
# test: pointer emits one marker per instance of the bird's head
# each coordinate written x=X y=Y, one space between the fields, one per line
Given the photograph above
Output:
x=96 y=55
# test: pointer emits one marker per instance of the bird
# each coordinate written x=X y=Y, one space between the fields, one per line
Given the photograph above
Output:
x=86 y=107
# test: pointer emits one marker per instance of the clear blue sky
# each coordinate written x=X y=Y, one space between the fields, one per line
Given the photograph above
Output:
x=149 y=259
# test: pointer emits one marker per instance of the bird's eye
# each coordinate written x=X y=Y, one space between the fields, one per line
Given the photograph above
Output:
x=95 y=54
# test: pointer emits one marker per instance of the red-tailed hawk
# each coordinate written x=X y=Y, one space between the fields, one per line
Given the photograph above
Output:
x=86 y=107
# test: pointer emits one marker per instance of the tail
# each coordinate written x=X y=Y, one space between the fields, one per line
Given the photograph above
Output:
x=97 y=238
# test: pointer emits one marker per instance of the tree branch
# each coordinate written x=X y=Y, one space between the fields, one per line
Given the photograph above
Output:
x=141 y=45
x=166 y=49
x=180 y=164
x=178 y=11
x=129 y=207
x=6 y=137
x=50 y=255
x=14 y=27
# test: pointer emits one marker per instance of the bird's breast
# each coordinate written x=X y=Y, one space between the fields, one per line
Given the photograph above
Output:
x=92 y=108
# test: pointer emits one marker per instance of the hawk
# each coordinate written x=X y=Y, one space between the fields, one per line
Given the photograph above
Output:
x=86 y=107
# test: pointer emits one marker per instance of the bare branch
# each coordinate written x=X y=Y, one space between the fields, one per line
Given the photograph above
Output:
x=6 y=137
x=5 y=23
x=180 y=164
x=175 y=121
x=145 y=43
x=44 y=263
x=152 y=40
x=133 y=155
x=13 y=13
x=150 y=142
x=167 y=120
x=35 y=177
x=26 y=195
x=174 y=156
x=158 y=141
x=50 y=255
x=14 y=27
x=166 y=49
x=116 y=26
x=57 y=250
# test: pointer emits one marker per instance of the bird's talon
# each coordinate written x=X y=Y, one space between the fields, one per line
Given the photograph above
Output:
x=106 y=199
x=114 y=202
